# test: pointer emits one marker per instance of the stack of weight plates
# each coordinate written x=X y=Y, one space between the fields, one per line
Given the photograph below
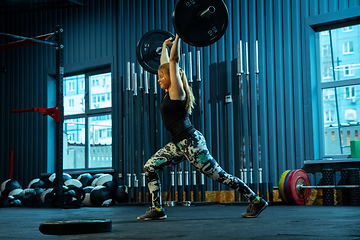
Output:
x=350 y=196
x=342 y=193
x=353 y=193
x=290 y=190
x=328 y=193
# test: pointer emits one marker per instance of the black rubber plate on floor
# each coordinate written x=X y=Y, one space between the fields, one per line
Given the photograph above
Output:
x=68 y=227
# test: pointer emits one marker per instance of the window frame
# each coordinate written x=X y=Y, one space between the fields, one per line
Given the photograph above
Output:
x=313 y=113
x=88 y=113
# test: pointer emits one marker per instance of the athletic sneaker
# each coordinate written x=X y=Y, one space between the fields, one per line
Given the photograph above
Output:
x=254 y=209
x=153 y=214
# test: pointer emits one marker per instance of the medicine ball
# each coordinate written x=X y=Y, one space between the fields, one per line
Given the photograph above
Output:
x=76 y=186
x=85 y=178
x=101 y=196
x=70 y=196
x=10 y=201
x=8 y=186
x=36 y=183
x=95 y=179
x=121 y=194
x=46 y=196
x=108 y=181
x=15 y=193
x=86 y=201
x=47 y=183
x=66 y=177
x=73 y=183
x=28 y=197
x=37 y=199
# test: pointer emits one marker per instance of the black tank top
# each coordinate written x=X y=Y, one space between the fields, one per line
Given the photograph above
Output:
x=175 y=118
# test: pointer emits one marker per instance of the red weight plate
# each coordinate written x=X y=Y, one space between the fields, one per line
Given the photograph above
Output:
x=300 y=195
x=287 y=188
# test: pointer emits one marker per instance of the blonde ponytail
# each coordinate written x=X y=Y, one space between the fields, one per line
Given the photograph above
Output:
x=190 y=101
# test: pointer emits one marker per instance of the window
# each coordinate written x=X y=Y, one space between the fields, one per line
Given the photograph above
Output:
x=328 y=94
x=71 y=85
x=100 y=142
x=348 y=71
x=326 y=51
x=328 y=116
x=74 y=155
x=101 y=87
x=88 y=121
x=82 y=84
x=350 y=92
x=73 y=96
x=348 y=47
x=347 y=29
x=339 y=83
x=327 y=73
x=71 y=103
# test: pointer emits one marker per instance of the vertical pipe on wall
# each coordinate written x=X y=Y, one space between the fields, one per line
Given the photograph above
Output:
x=270 y=76
x=200 y=115
x=253 y=95
x=288 y=87
x=247 y=115
x=258 y=153
x=297 y=87
x=241 y=125
x=262 y=90
x=279 y=84
x=127 y=151
x=187 y=166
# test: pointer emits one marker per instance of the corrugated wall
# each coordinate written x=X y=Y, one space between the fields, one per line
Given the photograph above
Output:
x=106 y=33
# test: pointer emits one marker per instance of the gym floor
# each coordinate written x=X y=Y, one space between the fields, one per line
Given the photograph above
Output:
x=193 y=222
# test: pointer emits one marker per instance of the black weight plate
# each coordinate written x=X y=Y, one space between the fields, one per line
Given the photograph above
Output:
x=69 y=227
x=146 y=53
x=196 y=31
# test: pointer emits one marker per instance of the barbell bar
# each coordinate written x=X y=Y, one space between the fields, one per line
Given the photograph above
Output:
x=295 y=188
x=328 y=186
x=199 y=23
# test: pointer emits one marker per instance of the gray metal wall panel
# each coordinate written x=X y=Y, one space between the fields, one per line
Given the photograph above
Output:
x=103 y=29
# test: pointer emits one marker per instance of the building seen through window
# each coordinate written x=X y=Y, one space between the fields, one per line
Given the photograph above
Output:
x=88 y=121
x=339 y=81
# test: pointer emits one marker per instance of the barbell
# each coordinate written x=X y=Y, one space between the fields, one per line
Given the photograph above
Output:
x=294 y=187
x=199 y=23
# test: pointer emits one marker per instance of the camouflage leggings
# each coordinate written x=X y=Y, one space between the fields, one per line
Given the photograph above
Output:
x=193 y=149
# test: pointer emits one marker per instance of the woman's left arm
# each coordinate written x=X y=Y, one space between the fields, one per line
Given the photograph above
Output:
x=177 y=91
x=164 y=58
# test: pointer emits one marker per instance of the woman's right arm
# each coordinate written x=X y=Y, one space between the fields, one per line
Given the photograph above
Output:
x=164 y=58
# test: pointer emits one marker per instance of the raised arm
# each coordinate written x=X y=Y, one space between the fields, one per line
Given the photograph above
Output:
x=164 y=58
x=177 y=91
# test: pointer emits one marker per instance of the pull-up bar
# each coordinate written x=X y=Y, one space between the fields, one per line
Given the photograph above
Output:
x=26 y=41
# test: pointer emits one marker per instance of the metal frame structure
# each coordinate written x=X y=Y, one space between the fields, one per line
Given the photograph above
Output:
x=58 y=111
